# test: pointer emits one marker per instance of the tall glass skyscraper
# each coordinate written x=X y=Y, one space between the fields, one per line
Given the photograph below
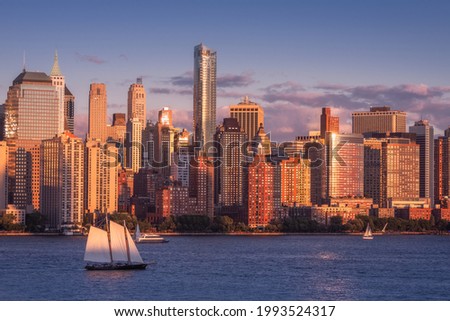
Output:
x=204 y=94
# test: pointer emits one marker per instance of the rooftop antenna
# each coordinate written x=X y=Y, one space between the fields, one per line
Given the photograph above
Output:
x=23 y=62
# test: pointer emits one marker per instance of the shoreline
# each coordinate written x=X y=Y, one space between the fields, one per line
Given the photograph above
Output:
x=240 y=234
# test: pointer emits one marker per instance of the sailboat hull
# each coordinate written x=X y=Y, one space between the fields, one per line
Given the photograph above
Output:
x=367 y=237
x=116 y=266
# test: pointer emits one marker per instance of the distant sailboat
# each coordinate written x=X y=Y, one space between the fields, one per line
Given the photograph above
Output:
x=137 y=233
x=147 y=238
x=113 y=249
x=368 y=234
x=384 y=228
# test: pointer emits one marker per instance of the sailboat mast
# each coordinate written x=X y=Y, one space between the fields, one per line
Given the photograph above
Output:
x=109 y=238
x=126 y=241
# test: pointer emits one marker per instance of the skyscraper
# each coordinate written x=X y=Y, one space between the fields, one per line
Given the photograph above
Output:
x=442 y=167
x=164 y=142
x=101 y=177
x=3 y=175
x=137 y=103
x=204 y=95
x=295 y=182
x=97 y=112
x=328 y=123
x=229 y=174
x=391 y=169
x=58 y=82
x=425 y=138
x=32 y=108
x=250 y=116
x=345 y=165
x=69 y=110
x=260 y=191
x=134 y=144
x=379 y=120
x=62 y=168
x=201 y=186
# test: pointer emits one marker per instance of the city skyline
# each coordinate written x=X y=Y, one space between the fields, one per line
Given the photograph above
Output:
x=401 y=62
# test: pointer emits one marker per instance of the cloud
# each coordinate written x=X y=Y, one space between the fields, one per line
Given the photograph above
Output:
x=89 y=58
x=170 y=91
x=418 y=100
x=229 y=80
x=123 y=57
x=184 y=80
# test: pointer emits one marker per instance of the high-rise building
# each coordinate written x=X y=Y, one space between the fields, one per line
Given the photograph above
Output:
x=260 y=191
x=134 y=144
x=2 y=122
x=32 y=108
x=101 y=177
x=59 y=83
x=229 y=173
x=3 y=175
x=204 y=95
x=262 y=140
x=442 y=167
x=201 y=186
x=313 y=149
x=62 y=176
x=425 y=139
x=345 y=165
x=97 y=112
x=295 y=182
x=379 y=120
x=69 y=110
x=118 y=129
x=137 y=103
x=328 y=123
x=164 y=142
x=250 y=116
x=391 y=169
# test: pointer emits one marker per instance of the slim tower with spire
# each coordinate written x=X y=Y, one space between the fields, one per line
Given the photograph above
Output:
x=58 y=82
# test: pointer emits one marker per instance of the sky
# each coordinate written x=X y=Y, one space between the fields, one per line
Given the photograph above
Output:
x=291 y=57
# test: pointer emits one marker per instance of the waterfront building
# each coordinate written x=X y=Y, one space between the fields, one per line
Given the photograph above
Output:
x=295 y=182
x=18 y=215
x=137 y=102
x=328 y=123
x=345 y=165
x=97 y=112
x=391 y=169
x=3 y=174
x=379 y=120
x=442 y=167
x=260 y=191
x=201 y=186
x=229 y=173
x=62 y=178
x=204 y=95
x=425 y=139
x=101 y=177
x=250 y=116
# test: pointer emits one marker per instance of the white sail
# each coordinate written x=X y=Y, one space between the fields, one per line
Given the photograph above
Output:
x=137 y=233
x=384 y=228
x=368 y=231
x=135 y=257
x=97 y=247
x=118 y=242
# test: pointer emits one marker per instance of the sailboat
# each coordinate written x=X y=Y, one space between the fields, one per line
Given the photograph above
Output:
x=113 y=249
x=384 y=228
x=368 y=234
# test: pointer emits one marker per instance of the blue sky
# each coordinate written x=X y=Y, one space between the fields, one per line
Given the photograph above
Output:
x=292 y=57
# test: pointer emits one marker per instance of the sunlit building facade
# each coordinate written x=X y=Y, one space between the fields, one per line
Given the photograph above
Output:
x=379 y=120
x=137 y=102
x=250 y=116
x=97 y=112
x=295 y=182
x=204 y=94
x=345 y=165
x=101 y=177
x=62 y=177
